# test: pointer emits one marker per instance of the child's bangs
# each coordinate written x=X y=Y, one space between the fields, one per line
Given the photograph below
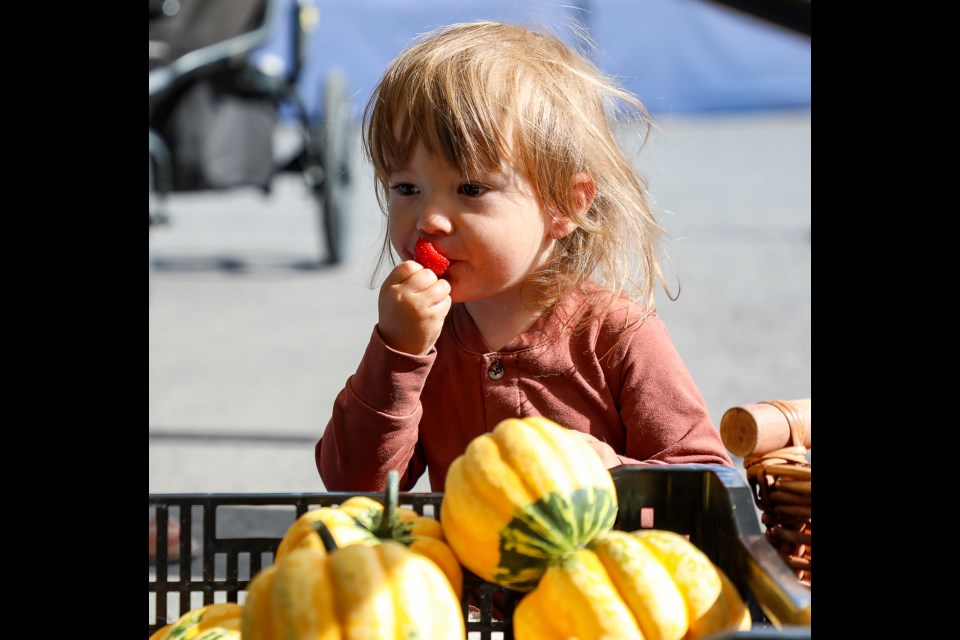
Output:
x=453 y=118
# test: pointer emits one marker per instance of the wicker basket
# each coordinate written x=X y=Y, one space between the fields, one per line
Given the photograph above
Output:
x=774 y=437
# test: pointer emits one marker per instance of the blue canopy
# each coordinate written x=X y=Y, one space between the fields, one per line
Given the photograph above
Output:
x=678 y=56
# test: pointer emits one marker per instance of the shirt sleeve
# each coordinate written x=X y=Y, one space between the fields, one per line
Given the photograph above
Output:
x=374 y=425
x=663 y=411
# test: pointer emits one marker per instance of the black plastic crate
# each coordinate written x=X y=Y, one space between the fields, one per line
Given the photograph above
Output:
x=237 y=535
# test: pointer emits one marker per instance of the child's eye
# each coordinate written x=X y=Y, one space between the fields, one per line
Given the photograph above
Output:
x=405 y=189
x=473 y=190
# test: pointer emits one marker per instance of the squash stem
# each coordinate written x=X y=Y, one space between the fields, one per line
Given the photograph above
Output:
x=328 y=542
x=384 y=529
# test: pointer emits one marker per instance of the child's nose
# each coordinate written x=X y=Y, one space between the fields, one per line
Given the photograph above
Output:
x=434 y=216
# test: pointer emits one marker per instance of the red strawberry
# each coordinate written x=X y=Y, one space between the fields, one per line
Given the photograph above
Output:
x=428 y=256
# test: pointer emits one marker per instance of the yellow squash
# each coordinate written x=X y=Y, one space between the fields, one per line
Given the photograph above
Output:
x=363 y=520
x=384 y=591
x=522 y=496
x=344 y=529
x=422 y=534
x=645 y=585
x=713 y=602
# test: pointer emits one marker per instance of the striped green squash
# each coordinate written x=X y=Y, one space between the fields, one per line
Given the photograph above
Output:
x=523 y=496
x=220 y=621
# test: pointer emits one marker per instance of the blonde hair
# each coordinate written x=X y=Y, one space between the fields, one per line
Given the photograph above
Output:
x=461 y=88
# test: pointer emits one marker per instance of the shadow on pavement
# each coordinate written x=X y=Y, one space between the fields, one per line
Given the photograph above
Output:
x=231 y=438
x=237 y=265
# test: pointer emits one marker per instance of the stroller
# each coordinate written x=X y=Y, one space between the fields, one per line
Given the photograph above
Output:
x=221 y=74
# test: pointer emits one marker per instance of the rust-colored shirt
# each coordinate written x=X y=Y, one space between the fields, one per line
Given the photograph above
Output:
x=415 y=413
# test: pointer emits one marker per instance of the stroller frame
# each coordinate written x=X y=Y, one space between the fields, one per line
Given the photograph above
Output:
x=323 y=158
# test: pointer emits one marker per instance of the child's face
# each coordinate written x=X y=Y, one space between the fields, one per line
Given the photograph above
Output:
x=493 y=227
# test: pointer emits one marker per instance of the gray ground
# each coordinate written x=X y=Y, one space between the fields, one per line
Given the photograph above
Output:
x=249 y=346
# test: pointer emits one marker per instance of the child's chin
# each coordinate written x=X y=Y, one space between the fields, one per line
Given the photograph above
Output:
x=455 y=292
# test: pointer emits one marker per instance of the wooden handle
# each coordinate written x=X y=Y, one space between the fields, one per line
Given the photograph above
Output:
x=756 y=429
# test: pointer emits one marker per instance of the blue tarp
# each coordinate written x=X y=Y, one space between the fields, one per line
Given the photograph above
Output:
x=678 y=56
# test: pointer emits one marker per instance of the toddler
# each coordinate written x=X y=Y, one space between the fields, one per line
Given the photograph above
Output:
x=492 y=146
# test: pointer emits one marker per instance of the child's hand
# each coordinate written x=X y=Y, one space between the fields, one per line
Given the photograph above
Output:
x=605 y=451
x=413 y=303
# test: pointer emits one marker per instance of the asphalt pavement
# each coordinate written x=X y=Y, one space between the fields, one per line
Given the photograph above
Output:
x=251 y=338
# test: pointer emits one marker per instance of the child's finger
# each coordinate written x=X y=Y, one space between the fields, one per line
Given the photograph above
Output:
x=431 y=296
x=437 y=296
x=402 y=272
x=423 y=280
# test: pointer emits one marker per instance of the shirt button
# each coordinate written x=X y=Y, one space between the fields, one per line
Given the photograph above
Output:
x=495 y=372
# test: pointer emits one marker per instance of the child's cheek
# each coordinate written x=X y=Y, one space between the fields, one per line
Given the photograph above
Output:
x=399 y=237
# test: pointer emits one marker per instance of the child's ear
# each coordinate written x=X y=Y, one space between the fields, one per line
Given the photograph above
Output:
x=584 y=190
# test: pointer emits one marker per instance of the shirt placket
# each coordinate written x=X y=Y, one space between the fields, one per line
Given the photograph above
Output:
x=496 y=379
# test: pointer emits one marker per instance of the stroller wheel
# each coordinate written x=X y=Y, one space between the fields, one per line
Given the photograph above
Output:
x=337 y=144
